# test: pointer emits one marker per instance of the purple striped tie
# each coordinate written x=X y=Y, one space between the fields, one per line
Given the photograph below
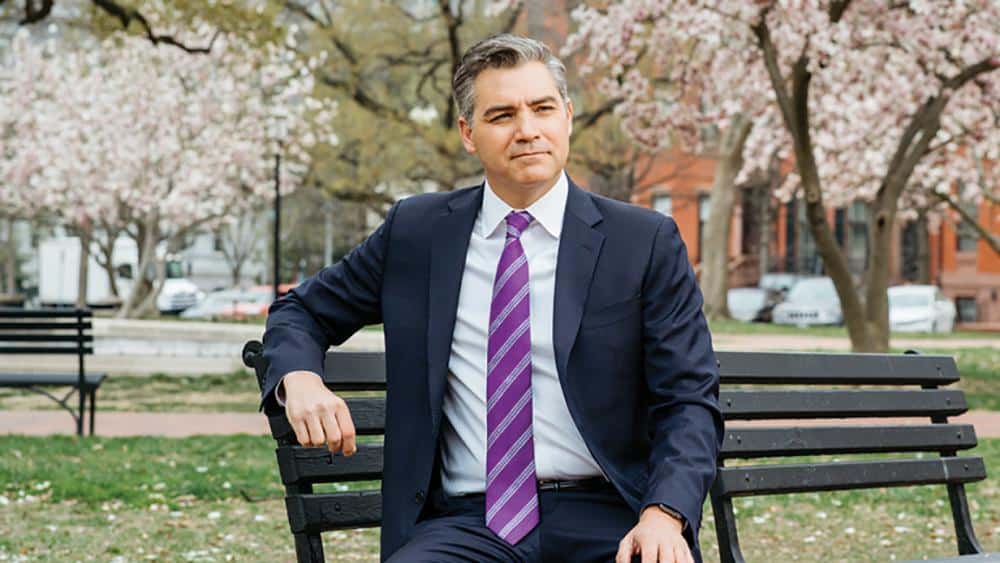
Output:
x=511 y=485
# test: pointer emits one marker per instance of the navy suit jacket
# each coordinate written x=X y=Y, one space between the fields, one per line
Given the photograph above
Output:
x=632 y=347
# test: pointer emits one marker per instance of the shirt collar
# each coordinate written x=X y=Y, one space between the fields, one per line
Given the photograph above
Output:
x=548 y=211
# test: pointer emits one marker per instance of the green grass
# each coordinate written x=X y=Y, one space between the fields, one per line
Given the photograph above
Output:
x=138 y=471
x=65 y=498
x=739 y=327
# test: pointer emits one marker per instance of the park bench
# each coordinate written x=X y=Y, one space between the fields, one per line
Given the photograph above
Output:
x=755 y=387
x=52 y=331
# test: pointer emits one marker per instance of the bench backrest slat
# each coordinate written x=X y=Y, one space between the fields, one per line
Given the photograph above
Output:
x=69 y=338
x=18 y=313
x=804 y=368
x=36 y=325
x=762 y=405
x=314 y=513
x=355 y=370
x=801 y=478
x=750 y=442
x=299 y=465
x=87 y=349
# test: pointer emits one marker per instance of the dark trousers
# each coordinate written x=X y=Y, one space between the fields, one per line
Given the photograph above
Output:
x=577 y=526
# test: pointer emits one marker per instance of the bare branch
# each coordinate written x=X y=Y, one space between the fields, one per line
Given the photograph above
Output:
x=589 y=119
x=32 y=14
x=127 y=15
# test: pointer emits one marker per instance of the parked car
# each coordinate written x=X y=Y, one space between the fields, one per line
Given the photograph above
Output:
x=214 y=304
x=811 y=301
x=752 y=304
x=779 y=281
x=253 y=302
x=920 y=308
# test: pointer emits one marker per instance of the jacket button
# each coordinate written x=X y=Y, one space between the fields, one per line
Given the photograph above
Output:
x=419 y=497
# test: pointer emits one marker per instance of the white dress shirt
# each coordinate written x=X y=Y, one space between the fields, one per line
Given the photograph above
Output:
x=560 y=452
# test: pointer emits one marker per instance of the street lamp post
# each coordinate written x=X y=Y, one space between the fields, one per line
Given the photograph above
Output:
x=278 y=133
x=277 y=221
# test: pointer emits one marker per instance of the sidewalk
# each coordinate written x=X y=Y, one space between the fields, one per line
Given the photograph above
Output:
x=179 y=425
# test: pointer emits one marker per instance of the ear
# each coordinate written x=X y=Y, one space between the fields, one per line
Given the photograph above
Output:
x=569 y=115
x=466 y=130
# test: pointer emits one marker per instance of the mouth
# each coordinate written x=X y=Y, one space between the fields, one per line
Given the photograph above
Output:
x=524 y=154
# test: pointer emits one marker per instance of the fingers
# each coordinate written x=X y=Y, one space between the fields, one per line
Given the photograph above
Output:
x=324 y=422
x=301 y=430
x=682 y=554
x=316 y=436
x=330 y=428
x=346 y=430
x=650 y=550
x=626 y=548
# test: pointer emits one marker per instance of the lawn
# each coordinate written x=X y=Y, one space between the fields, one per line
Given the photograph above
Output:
x=738 y=327
x=216 y=498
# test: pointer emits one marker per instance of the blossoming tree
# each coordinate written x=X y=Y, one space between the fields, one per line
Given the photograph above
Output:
x=152 y=142
x=887 y=103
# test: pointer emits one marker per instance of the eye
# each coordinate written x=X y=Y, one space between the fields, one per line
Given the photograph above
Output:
x=545 y=108
x=499 y=117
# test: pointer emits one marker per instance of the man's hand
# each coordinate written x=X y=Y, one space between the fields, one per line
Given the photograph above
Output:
x=318 y=416
x=657 y=537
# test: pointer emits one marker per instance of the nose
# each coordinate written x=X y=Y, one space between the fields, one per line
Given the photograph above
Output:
x=527 y=127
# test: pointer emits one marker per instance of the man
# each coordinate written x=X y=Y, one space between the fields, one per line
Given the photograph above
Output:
x=552 y=389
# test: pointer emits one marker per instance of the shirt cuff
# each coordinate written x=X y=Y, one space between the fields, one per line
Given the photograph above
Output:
x=279 y=391
x=674 y=513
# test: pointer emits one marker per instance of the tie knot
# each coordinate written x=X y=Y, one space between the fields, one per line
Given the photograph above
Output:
x=517 y=222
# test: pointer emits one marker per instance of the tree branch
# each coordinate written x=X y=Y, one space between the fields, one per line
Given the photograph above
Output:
x=589 y=119
x=127 y=15
x=991 y=238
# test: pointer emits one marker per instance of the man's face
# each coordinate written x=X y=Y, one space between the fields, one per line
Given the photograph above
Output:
x=520 y=127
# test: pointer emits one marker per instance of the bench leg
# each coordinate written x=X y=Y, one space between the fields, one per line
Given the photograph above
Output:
x=968 y=544
x=725 y=530
x=309 y=548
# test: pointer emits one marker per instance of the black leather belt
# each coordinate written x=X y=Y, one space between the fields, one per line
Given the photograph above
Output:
x=591 y=484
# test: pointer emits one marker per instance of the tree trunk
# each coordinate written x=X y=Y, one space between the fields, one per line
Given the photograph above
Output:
x=794 y=106
x=106 y=261
x=148 y=236
x=86 y=231
x=715 y=252
x=923 y=250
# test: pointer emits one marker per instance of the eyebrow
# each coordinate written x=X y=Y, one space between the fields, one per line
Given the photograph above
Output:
x=495 y=109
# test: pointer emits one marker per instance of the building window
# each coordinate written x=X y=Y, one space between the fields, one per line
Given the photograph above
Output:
x=966 y=309
x=858 y=215
x=703 y=208
x=967 y=238
x=663 y=204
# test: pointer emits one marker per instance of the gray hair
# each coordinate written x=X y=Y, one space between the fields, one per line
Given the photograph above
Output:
x=502 y=51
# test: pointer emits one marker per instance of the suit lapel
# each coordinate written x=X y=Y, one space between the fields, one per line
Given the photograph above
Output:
x=449 y=244
x=579 y=247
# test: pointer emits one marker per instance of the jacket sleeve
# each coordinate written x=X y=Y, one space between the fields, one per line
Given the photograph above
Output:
x=685 y=422
x=325 y=310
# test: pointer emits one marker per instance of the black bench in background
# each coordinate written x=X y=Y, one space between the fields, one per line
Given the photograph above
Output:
x=310 y=513
x=52 y=331
x=909 y=386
